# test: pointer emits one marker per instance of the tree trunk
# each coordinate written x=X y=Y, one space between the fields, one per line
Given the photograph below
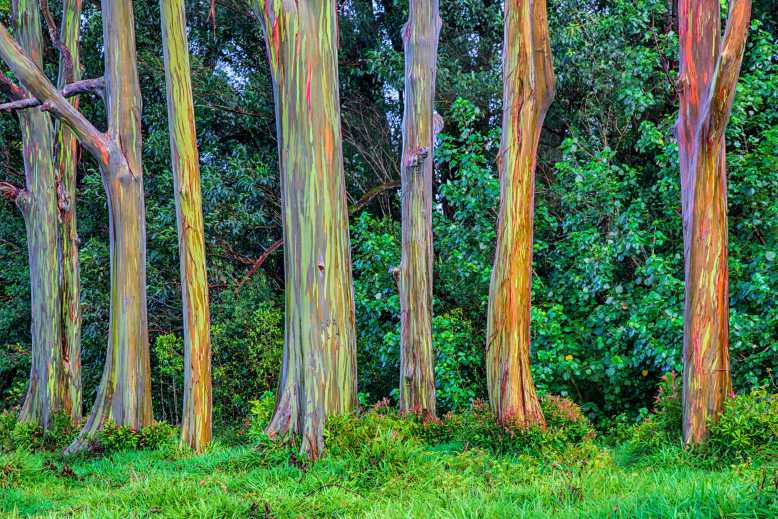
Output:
x=196 y=424
x=318 y=377
x=417 y=376
x=67 y=162
x=38 y=203
x=709 y=69
x=528 y=89
x=124 y=393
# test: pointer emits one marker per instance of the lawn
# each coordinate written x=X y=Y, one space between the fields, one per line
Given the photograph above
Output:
x=387 y=479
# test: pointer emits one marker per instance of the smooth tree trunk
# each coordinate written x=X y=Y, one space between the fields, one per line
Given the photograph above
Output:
x=318 y=376
x=38 y=203
x=67 y=162
x=709 y=69
x=528 y=89
x=196 y=423
x=417 y=376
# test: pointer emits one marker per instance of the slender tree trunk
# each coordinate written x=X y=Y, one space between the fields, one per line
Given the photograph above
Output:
x=38 y=203
x=417 y=375
x=528 y=81
x=709 y=70
x=67 y=162
x=318 y=377
x=196 y=425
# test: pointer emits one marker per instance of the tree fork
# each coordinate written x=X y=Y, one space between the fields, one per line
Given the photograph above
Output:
x=528 y=90
x=709 y=70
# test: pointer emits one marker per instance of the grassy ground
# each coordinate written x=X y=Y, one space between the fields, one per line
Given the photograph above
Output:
x=381 y=481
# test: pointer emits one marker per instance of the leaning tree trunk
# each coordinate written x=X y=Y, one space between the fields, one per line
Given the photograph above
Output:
x=318 y=376
x=67 y=162
x=709 y=70
x=417 y=376
x=196 y=424
x=528 y=89
x=38 y=204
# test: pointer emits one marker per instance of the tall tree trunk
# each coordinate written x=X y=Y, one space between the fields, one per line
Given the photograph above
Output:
x=67 y=162
x=417 y=376
x=196 y=424
x=528 y=89
x=318 y=377
x=709 y=70
x=38 y=203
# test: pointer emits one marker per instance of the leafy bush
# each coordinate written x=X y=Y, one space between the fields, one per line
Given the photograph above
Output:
x=746 y=428
x=261 y=413
x=117 y=438
x=27 y=436
x=663 y=426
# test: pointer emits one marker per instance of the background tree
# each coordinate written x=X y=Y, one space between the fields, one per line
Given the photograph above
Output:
x=528 y=89
x=420 y=124
x=709 y=70
x=318 y=376
x=197 y=415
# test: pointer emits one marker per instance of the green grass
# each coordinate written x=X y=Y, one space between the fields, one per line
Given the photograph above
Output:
x=395 y=479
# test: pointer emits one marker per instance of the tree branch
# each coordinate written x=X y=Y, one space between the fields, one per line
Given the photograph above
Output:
x=42 y=89
x=371 y=194
x=722 y=92
x=258 y=263
x=10 y=88
x=85 y=86
x=9 y=191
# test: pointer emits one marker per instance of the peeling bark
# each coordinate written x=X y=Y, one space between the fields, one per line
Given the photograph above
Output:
x=196 y=424
x=528 y=90
x=318 y=376
x=709 y=69
x=417 y=376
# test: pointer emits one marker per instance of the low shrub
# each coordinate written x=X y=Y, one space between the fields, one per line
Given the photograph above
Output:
x=663 y=426
x=116 y=438
x=747 y=427
x=261 y=413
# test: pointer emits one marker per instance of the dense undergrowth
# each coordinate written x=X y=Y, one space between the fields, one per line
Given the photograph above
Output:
x=380 y=464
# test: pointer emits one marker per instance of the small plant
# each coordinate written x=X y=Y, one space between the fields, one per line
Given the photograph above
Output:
x=261 y=413
x=60 y=433
x=27 y=436
x=116 y=438
x=746 y=428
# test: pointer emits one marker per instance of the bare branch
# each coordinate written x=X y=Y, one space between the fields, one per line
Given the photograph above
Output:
x=258 y=263
x=370 y=194
x=9 y=191
x=85 y=86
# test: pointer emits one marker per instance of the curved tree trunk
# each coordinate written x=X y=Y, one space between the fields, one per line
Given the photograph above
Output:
x=528 y=80
x=318 y=377
x=417 y=376
x=67 y=162
x=708 y=76
x=196 y=423
x=124 y=393
x=38 y=203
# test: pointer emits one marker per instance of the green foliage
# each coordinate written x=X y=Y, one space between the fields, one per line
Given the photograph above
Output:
x=747 y=427
x=261 y=414
x=663 y=427
x=118 y=438
x=459 y=376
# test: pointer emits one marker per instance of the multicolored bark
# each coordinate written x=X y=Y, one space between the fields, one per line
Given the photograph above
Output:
x=67 y=161
x=709 y=69
x=196 y=423
x=38 y=204
x=318 y=377
x=528 y=89
x=417 y=376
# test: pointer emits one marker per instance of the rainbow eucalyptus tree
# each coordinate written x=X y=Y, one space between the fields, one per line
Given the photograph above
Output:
x=417 y=377
x=46 y=392
x=66 y=164
x=528 y=89
x=124 y=393
x=196 y=423
x=709 y=70
x=318 y=376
